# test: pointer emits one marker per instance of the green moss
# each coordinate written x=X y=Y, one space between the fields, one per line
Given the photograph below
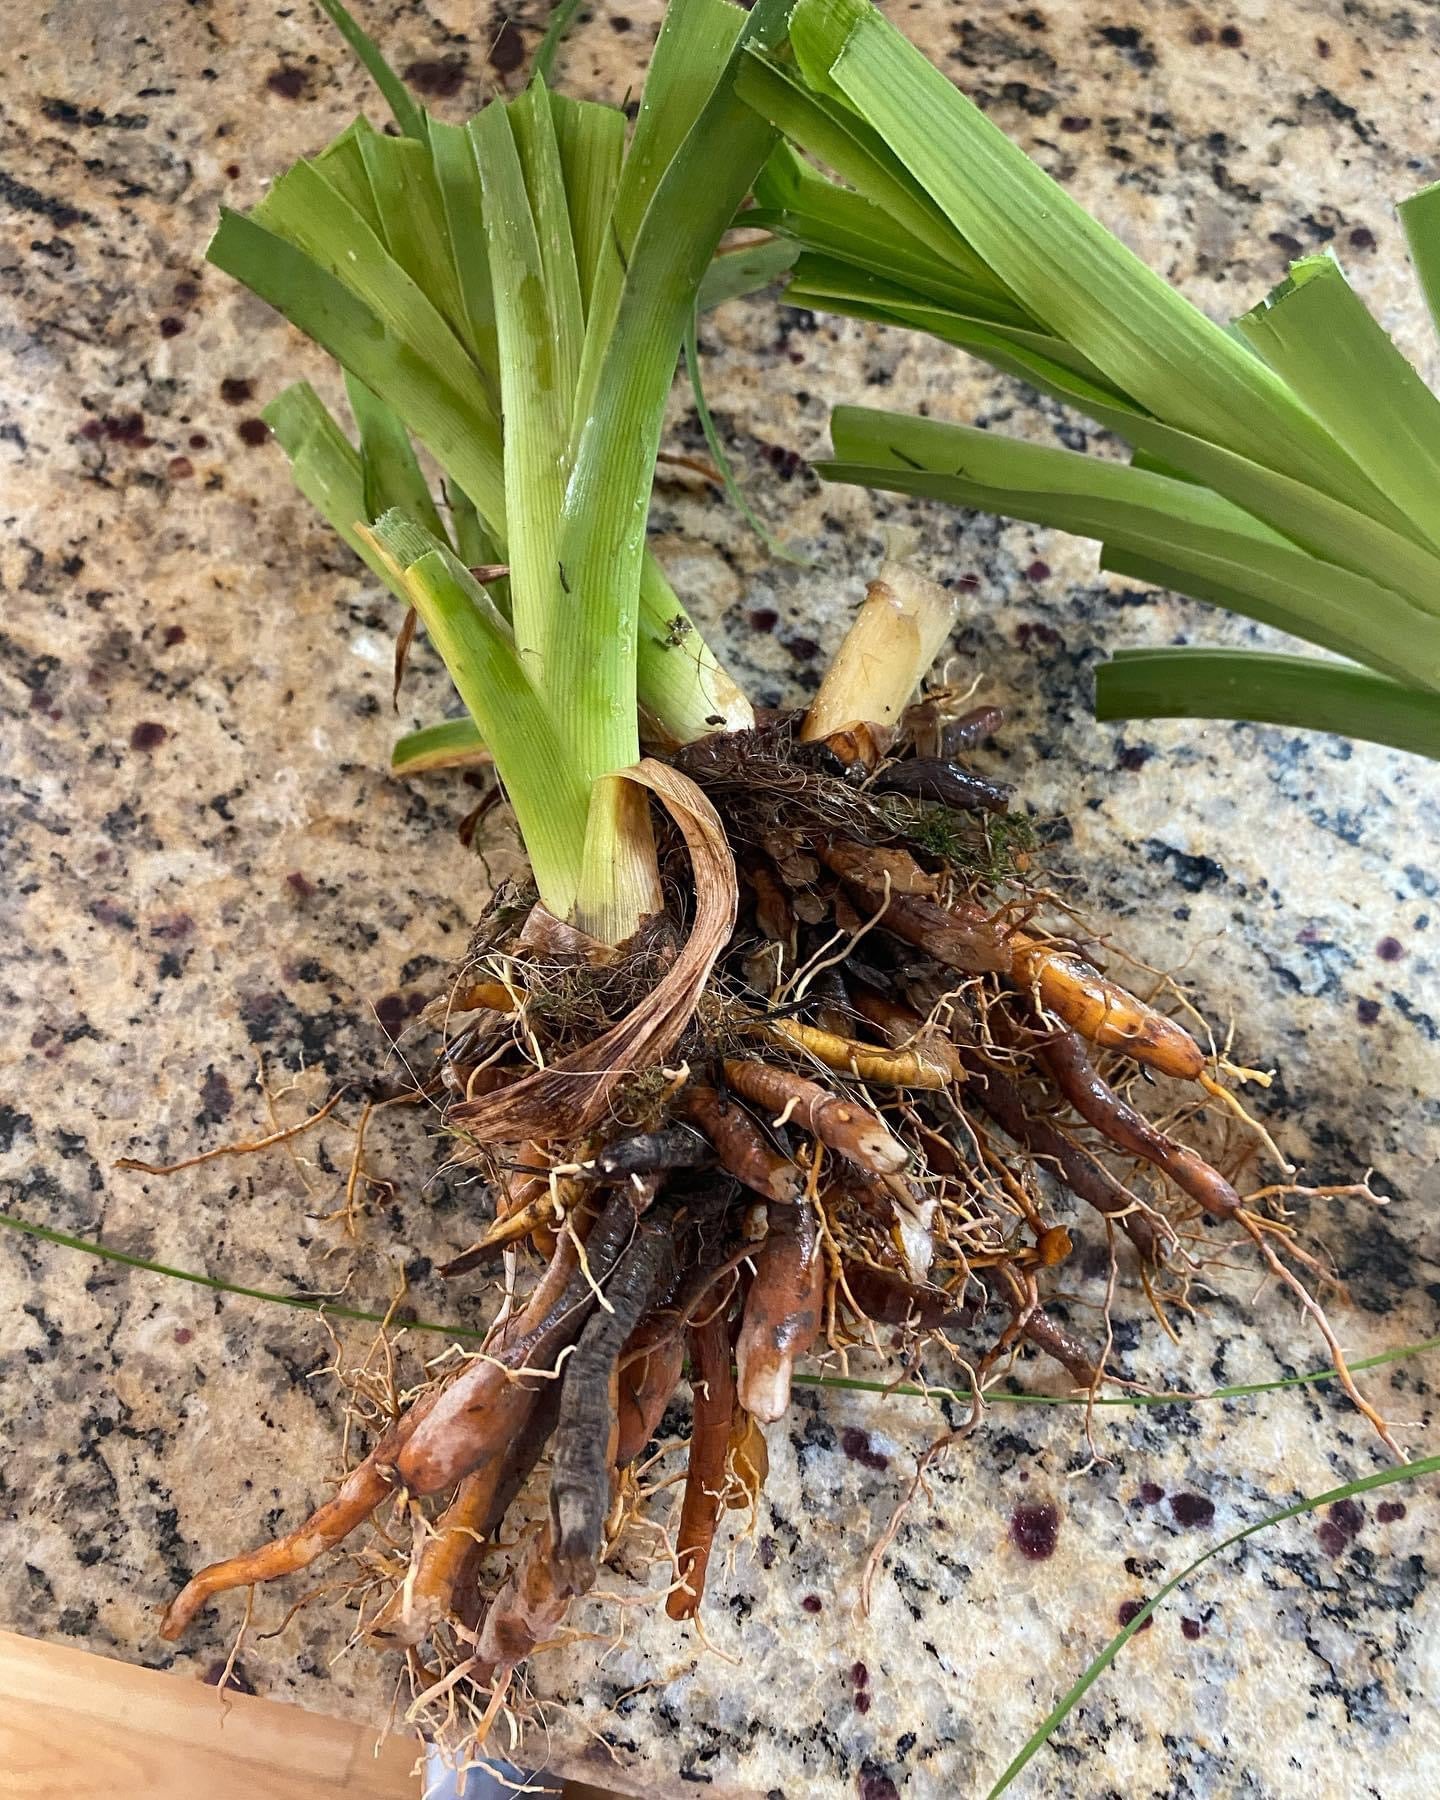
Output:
x=990 y=848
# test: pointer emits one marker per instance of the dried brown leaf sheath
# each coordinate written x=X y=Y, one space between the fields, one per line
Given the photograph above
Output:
x=573 y=1094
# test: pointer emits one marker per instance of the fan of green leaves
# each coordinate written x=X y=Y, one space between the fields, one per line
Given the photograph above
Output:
x=1287 y=468
x=511 y=294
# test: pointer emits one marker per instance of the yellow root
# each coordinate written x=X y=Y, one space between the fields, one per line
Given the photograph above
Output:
x=1103 y=1012
x=867 y=1062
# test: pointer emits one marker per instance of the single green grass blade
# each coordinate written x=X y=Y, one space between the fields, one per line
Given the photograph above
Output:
x=733 y=491
x=318 y=1303
x=1412 y=1471
x=1209 y=543
x=592 y=149
x=746 y=270
x=1296 y=691
x=550 y=798
x=314 y=1303
x=557 y=26
x=1272 y=583
x=1318 y=335
x=391 y=474
x=1064 y=267
x=408 y=115
x=450 y=744
x=1420 y=216
x=1008 y=1396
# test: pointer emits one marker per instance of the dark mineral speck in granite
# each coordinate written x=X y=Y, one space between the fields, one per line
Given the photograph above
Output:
x=288 y=83
x=1193 y=1511
x=1035 y=1529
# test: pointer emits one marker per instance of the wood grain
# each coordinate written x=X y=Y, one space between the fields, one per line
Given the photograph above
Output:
x=74 y=1725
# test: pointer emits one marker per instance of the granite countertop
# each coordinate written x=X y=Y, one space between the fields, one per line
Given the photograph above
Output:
x=209 y=874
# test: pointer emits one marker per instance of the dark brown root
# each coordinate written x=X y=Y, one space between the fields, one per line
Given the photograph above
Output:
x=887 y=1298
x=1086 y=1178
x=1099 y=1105
x=927 y=778
x=586 y=1436
x=1058 y=1342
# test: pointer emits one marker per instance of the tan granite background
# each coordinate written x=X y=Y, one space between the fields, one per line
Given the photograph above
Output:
x=206 y=865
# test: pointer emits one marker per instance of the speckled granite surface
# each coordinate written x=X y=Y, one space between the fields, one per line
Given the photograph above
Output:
x=206 y=866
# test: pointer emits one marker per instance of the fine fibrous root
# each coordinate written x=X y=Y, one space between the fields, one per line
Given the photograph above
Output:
x=863 y=1085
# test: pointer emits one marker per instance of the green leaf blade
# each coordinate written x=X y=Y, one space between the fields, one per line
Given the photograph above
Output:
x=409 y=116
x=537 y=316
x=630 y=359
x=550 y=798
x=1302 y=693
x=448 y=744
x=746 y=270
x=1318 y=335
x=1064 y=267
x=1212 y=548
x=340 y=286
x=391 y=474
x=1420 y=217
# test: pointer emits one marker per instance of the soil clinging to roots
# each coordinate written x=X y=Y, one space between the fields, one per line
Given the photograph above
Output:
x=851 y=1078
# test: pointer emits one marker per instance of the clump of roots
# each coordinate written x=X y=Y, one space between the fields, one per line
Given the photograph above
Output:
x=881 y=1072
